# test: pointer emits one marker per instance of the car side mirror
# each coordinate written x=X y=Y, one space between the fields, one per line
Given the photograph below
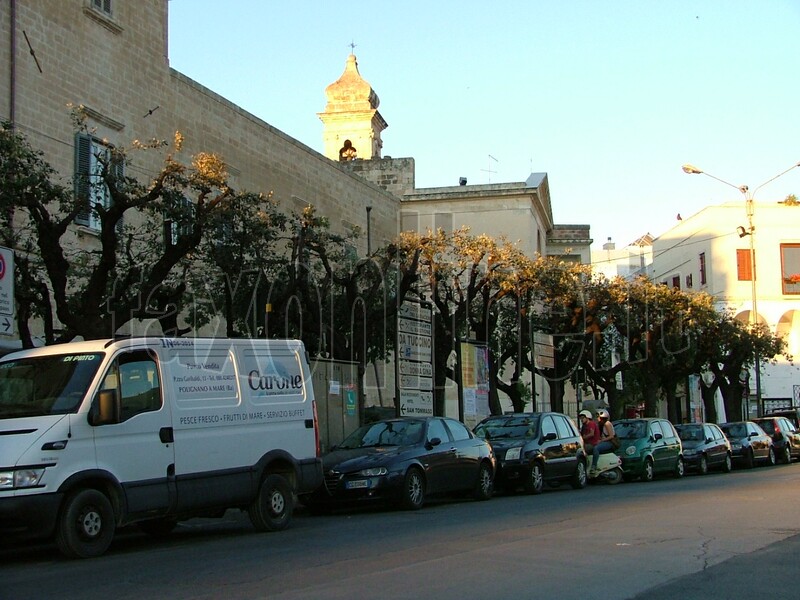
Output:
x=708 y=440
x=433 y=442
x=657 y=437
x=549 y=436
x=106 y=408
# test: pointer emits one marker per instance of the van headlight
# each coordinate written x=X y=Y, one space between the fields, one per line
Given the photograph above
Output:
x=22 y=478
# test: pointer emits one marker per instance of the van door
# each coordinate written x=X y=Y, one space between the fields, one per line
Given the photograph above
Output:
x=136 y=447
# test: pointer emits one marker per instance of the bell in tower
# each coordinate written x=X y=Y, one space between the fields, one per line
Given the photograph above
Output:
x=351 y=122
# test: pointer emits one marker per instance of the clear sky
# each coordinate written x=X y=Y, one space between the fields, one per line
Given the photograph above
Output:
x=608 y=97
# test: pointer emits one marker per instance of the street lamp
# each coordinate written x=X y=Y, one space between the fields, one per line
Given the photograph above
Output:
x=750 y=232
x=369 y=231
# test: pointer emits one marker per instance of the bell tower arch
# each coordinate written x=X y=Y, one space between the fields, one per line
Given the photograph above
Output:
x=351 y=122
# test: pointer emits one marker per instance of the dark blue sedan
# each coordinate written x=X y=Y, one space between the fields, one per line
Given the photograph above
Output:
x=405 y=460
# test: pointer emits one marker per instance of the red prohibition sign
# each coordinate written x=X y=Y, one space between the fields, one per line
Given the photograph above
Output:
x=2 y=266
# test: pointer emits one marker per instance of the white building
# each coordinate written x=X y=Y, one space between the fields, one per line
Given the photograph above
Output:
x=628 y=262
x=710 y=252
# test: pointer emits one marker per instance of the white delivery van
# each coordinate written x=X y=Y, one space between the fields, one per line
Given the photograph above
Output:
x=95 y=435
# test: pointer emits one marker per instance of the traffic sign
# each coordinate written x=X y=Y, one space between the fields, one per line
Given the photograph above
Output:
x=6 y=284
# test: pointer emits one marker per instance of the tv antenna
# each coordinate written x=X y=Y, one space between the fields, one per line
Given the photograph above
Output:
x=489 y=170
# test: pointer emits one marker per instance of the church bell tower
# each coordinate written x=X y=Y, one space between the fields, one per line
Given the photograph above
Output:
x=351 y=122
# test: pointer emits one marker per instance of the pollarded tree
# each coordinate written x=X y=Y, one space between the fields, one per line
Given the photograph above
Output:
x=129 y=271
x=469 y=280
x=732 y=347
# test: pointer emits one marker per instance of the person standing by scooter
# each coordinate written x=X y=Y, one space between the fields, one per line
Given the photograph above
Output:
x=590 y=432
x=608 y=436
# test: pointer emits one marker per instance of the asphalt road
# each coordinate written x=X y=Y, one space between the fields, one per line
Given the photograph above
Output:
x=716 y=537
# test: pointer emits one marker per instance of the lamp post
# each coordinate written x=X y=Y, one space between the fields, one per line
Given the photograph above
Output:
x=369 y=231
x=750 y=231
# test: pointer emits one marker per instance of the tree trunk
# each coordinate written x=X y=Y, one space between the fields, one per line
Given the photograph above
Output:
x=709 y=393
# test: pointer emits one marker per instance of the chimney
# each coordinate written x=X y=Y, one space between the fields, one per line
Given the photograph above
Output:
x=462 y=181
x=609 y=245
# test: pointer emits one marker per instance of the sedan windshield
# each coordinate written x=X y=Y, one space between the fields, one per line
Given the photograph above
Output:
x=46 y=385
x=508 y=427
x=630 y=430
x=385 y=433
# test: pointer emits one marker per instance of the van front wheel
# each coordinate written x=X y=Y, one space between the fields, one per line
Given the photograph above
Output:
x=86 y=525
x=273 y=506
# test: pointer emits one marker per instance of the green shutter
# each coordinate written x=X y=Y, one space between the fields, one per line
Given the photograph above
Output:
x=83 y=161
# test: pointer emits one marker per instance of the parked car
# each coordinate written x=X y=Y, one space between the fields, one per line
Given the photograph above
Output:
x=405 y=460
x=705 y=447
x=749 y=443
x=790 y=412
x=535 y=448
x=649 y=447
x=785 y=437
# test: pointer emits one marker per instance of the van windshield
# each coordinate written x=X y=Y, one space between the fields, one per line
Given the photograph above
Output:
x=45 y=385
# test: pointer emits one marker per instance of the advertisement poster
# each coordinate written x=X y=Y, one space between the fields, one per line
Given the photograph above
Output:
x=475 y=381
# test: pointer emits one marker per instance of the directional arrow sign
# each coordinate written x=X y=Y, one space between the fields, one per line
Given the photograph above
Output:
x=5 y=326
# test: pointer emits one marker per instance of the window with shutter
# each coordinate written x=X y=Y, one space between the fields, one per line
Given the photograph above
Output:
x=744 y=268
x=102 y=5
x=178 y=221
x=703 y=279
x=790 y=268
x=90 y=189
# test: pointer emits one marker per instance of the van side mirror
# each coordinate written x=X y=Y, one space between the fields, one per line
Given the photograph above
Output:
x=105 y=409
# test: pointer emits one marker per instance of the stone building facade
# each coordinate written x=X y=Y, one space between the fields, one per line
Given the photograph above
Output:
x=111 y=57
x=116 y=65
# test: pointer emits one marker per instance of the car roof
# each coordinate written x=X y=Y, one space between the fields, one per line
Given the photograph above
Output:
x=515 y=415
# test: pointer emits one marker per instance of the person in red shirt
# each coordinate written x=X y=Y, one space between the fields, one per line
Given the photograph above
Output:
x=590 y=432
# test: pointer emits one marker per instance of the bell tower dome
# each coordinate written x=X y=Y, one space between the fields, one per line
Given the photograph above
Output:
x=351 y=122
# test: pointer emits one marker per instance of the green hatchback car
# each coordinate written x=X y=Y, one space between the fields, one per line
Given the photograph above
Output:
x=649 y=447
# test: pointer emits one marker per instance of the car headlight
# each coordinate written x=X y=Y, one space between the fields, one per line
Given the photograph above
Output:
x=373 y=472
x=630 y=450
x=23 y=478
x=513 y=453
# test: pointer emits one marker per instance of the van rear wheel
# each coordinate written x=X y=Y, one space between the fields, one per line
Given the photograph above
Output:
x=86 y=524
x=273 y=506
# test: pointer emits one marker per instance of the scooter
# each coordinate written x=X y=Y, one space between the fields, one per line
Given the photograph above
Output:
x=609 y=469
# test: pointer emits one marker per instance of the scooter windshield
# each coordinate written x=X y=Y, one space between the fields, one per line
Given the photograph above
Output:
x=45 y=385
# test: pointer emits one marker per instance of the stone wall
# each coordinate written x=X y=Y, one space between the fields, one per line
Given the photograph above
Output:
x=118 y=68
